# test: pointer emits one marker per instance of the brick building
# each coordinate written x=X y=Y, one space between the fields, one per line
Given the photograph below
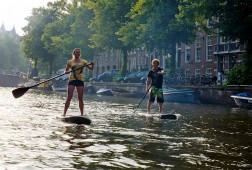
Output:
x=209 y=55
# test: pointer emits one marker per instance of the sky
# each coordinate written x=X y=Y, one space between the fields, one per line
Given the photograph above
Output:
x=14 y=12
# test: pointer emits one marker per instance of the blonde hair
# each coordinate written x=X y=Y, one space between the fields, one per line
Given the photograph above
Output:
x=155 y=60
x=73 y=55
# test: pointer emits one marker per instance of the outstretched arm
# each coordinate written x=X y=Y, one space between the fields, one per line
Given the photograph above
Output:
x=161 y=72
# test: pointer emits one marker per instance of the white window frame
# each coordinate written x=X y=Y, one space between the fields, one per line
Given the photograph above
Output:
x=197 y=72
x=187 y=50
x=187 y=72
x=209 y=71
x=198 y=49
x=210 y=48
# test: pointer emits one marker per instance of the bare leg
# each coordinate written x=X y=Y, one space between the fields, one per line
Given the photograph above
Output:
x=149 y=106
x=70 y=90
x=160 y=106
x=80 y=90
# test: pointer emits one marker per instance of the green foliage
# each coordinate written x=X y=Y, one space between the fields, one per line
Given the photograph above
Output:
x=154 y=25
x=99 y=25
x=109 y=17
x=11 y=56
x=237 y=75
x=230 y=19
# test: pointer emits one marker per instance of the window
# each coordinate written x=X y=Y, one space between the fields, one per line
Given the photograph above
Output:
x=209 y=71
x=198 y=49
x=198 y=54
x=179 y=57
x=179 y=45
x=223 y=40
x=209 y=40
x=209 y=53
x=187 y=54
x=187 y=72
x=197 y=72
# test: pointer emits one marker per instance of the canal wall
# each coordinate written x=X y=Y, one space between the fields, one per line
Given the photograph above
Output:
x=203 y=94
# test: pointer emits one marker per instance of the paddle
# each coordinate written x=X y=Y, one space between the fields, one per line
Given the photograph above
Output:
x=162 y=116
x=142 y=98
x=145 y=94
x=22 y=90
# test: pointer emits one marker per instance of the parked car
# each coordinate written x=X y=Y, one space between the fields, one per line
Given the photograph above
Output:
x=135 y=77
x=165 y=80
x=93 y=79
x=107 y=76
x=120 y=79
x=65 y=77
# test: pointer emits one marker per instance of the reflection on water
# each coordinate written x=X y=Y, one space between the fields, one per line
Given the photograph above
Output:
x=204 y=137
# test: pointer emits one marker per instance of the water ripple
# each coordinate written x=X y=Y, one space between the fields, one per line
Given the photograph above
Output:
x=204 y=136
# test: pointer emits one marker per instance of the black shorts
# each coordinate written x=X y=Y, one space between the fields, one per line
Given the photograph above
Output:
x=76 y=83
x=156 y=93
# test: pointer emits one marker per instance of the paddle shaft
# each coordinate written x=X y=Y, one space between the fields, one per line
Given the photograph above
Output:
x=22 y=90
x=57 y=76
x=146 y=93
x=143 y=98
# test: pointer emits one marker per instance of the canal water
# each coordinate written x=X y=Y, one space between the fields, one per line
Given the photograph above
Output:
x=204 y=137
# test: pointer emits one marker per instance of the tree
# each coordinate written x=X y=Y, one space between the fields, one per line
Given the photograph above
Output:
x=10 y=53
x=33 y=45
x=69 y=31
x=109 y=17
x=154 y=25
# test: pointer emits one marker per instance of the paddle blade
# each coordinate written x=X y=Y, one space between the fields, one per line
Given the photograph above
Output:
x=20 y=91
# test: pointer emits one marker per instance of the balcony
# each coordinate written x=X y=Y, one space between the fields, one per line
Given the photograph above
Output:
x=228 y=48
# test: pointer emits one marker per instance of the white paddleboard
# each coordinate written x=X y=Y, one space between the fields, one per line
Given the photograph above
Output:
x=160 y=116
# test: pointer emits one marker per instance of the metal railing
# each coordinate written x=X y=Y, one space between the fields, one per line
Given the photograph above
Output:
x=204 y=80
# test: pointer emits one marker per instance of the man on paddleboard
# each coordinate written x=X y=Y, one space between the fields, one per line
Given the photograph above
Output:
x=154 y=83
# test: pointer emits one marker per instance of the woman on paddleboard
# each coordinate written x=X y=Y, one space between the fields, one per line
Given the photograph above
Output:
x=76 y=78
x=154 y=82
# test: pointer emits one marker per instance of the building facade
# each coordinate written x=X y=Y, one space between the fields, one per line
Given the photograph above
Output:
x=208 y=55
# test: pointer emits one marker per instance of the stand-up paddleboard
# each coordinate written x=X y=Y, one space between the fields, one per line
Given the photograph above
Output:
x=160 y=116
x=76 y=120
x=168 y=116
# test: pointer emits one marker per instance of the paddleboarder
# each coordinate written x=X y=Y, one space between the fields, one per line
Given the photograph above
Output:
x=76 y=78
x=155 y=80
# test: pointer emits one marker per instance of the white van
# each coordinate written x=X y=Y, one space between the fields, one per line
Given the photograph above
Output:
x=64 y=77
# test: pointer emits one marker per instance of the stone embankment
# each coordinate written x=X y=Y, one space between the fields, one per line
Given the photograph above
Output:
x=203 y=94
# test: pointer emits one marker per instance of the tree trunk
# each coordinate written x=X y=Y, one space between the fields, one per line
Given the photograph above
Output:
x=124 y=61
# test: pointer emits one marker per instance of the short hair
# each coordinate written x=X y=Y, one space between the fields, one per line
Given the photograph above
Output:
x=155 y=60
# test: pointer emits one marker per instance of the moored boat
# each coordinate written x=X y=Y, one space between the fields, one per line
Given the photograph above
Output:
x=125 y=93
x=243 y=100
x=179 y=95
x=104 y=92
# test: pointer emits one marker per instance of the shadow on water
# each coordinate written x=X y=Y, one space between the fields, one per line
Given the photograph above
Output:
x=203 y=137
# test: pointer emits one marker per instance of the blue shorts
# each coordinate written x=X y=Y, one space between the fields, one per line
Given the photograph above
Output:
x=76 y=83
x=156 y=93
